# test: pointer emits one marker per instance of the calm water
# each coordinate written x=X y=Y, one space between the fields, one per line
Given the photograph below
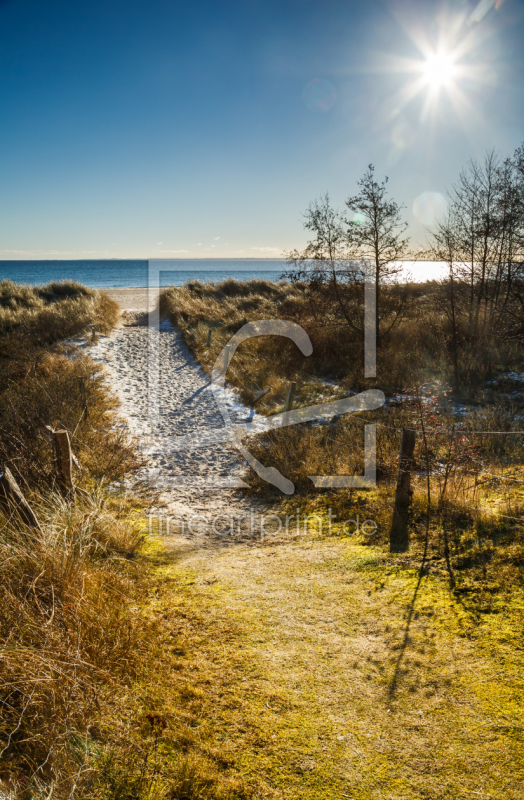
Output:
x=116 y=273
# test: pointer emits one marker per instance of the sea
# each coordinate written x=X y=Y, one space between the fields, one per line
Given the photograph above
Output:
x=134 y=273
x=122 y=273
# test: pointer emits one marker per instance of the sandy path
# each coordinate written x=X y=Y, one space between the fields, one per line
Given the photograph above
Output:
x=195 y=480
x=130 y=299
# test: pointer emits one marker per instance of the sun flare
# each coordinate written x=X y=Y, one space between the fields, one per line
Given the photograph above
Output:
x=439 y=70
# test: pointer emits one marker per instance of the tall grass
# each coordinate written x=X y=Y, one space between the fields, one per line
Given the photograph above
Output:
x=66 y=631
x=47 y=314
x=67 y=637
x=44 y=383
x=417 y=349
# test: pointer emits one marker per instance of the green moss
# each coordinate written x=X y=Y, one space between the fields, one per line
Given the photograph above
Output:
x=318 y=668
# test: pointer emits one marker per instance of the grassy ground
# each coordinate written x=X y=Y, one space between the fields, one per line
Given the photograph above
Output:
x=317 y=667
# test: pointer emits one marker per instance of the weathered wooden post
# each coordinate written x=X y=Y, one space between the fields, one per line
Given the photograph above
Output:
x=64 y=460
x=399 y=532
x=12 y=499
x=208 y=340
x=290 y=395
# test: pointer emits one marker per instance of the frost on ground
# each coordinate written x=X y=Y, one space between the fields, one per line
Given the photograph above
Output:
x=189 y=457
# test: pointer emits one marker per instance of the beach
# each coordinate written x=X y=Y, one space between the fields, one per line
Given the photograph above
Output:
x=130 y=299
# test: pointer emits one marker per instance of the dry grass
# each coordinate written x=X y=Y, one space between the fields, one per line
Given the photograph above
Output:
x=77 y=651
x=67 y=636
x=469 y=485
x=47 y=314
x=66 y=629
x=417 y=350
x=476 y=488
x=45 y=382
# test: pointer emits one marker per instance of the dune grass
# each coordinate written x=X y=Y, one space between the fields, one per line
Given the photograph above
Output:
x=68 y=633
x=416 y=351
x=51 y=313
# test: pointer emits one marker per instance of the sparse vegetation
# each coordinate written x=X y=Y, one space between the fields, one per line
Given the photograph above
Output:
x=417 y=350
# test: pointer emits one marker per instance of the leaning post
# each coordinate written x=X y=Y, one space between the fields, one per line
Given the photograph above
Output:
x=12 y=499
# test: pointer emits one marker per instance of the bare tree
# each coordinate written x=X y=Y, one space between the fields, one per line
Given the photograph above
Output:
x=484 y=232
x=446 y=247
x=326 y=266
x=375 y=234
x=344 y=251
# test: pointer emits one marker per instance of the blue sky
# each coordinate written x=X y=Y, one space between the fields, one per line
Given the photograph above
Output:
x=164 y=129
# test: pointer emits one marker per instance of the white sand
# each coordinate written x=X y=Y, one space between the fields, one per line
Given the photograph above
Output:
x=130 y=299
x=193 y=479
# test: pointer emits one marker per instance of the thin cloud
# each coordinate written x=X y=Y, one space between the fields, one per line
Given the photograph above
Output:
x=172 y=251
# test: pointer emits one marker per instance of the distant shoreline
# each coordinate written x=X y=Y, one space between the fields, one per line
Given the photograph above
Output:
x=134 y=260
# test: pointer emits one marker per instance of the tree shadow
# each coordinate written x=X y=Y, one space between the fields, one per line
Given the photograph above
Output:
x=394 y=680
x=195 y=394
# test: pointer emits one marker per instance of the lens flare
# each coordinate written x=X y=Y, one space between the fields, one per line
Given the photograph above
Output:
x=429 y=206
x=402 y=133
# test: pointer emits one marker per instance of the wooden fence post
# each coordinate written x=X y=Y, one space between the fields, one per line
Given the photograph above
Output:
x=64 y=460
x=399 y=532
x=12 y=499
x=290 y=396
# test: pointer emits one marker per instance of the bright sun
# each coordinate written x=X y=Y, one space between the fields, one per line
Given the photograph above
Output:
x=438 y=70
